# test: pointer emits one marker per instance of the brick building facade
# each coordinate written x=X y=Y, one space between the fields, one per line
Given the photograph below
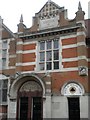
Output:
x=45 y=68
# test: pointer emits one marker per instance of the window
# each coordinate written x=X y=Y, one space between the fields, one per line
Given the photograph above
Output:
x=49 y=55
x=4 y=54
x=3 y=91
x=3 y=62
x=4 y=44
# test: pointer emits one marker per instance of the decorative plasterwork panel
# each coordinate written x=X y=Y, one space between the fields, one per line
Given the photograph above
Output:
x=48 y=23
x=48 y=16
x=72 y=89
x=48 y=11
x=30 y=86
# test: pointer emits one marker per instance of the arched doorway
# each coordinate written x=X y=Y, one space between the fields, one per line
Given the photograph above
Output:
x=29 y=101
x=26 y=89
x=73 y=91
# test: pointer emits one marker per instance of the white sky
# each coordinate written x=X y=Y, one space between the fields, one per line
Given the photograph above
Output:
x=11 y=10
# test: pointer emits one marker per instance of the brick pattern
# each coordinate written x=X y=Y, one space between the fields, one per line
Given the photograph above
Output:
x=29 y=47
x=69 y=41
x=69 y=53
x=82 y=50
x=30 y=57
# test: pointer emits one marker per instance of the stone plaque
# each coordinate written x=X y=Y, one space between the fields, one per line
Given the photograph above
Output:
x=48 y=23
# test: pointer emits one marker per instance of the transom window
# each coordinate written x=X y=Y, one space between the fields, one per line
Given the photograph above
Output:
x=49 y=55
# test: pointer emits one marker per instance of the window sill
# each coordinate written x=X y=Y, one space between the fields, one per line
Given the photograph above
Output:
x=47 y=71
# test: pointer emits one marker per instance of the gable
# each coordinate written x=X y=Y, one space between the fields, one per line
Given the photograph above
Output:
x=6 y=32
x=49 y=9
x=48 y=16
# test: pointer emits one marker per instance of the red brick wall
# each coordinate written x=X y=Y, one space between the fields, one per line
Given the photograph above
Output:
x=69 y=53
x=69 y=41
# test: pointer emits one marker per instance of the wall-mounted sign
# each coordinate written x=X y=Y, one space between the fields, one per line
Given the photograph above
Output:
x=83 y=70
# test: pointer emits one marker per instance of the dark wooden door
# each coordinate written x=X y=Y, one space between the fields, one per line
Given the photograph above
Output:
x=37 y=108
x=74 y=108
x=29 y=106
x=23 y=108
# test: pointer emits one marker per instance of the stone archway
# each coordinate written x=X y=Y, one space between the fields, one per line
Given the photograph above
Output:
x=13 y=89
x=29 y=101
x=26 y=85
x=73 y=91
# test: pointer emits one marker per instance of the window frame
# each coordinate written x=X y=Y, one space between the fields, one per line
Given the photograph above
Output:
x=45 y=51
x=4 y=53
x=3 y=88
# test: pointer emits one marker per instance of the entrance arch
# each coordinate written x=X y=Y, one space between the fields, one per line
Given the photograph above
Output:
x=14 y=87
x=73 y=91
x=28 y=91
x=29 y=101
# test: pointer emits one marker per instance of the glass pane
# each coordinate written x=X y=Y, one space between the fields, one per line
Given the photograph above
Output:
x=56 y=54
x=42 y=66
x=42 y=45
x=49 y=65
x=4 y=83
x=4 y=52
x=49 y=44
x=0 y=51
x=4 y=44
x=56 y=44
x=0 y=83
x=49 y=55
x=4 y=95
x=56 y=65
x=3 y=62
x=42 y=56
x=0 y=97
x=0 y=64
